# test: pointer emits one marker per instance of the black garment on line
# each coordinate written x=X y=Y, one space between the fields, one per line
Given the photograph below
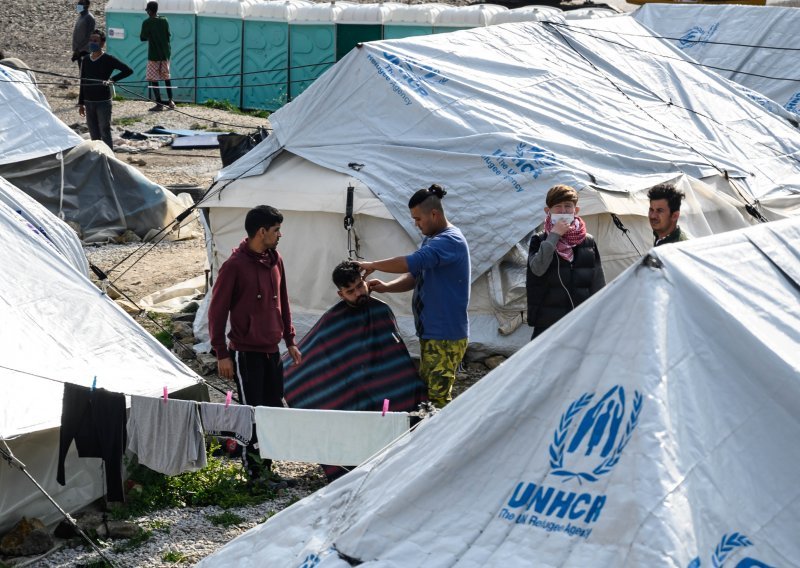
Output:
x=96 y=420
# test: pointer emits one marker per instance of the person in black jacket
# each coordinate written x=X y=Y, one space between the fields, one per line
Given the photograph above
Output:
x=564 y=266
x=94 y=97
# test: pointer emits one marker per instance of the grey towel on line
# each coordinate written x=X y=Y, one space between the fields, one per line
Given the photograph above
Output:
x=166 y=437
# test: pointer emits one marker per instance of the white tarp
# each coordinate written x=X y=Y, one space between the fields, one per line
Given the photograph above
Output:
x=28 y=128
x=81 y=181
x=500 y=114
x=755 y=46
x=58 y=327
x=656 y=425
x=43 y=224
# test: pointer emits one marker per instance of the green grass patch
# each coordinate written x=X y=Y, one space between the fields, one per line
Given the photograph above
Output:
x=225 y=519
x=230 y=107
x=125 y=121
x=220 y=483
x=174 y=556
x=165 y=338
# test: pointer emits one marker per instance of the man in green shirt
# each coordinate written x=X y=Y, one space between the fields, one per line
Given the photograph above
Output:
x=155 y=31
x=665 y=209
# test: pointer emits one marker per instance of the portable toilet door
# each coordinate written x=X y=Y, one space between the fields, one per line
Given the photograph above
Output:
x=182 y=18
x=265 y=59
x=312 y=44
x=465 y=17
x=530 y=14
x=409 y=20
x=360 y=23
x=123 y=27
x=219 y=51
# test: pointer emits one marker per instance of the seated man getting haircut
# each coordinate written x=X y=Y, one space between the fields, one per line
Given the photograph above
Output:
x=353 y=357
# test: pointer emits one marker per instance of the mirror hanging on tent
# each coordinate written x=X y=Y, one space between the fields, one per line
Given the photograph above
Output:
x=349 y=225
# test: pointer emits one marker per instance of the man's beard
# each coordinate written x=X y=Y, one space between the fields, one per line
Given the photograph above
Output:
x=360 y=302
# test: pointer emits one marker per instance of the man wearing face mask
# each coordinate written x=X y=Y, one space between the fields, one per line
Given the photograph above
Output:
x=84 y=26
x=564 y=266
x=94 y=97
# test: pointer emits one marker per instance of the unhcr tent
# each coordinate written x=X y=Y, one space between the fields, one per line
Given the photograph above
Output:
x=656 y=425
x=81 y=181
x=57 y=328
x=755 y=46
x=498 y=115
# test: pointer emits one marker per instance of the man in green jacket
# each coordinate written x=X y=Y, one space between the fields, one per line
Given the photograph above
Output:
x=665 y=209
x=155 y=31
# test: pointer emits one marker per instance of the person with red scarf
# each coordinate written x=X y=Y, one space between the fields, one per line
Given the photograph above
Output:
x=564 y=266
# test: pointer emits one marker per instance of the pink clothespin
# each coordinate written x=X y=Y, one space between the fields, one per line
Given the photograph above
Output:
x=228 y=399
x=166 y=396
x=385 y=406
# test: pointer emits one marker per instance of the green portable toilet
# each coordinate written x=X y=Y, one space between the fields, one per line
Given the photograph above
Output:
x=265 y=59
x=123 y=25
x=409 y=20
x=182 y=18
x=359 y=23
x=312 y=44
x=465 y=17
x=219 y=51
x=529 y=14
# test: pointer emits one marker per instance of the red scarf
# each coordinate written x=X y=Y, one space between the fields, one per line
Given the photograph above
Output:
x=574 y=236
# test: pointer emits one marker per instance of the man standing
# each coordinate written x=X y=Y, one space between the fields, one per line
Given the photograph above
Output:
x=155 y=31
x=84 y=26
x=251 y=289
x=94 y=96
x=439 y=274
x=665 y=209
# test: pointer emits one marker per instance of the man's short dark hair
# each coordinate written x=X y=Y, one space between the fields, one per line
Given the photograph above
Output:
x=670 y=193
x=261 y=216
x=429 y=198
x=346 y=273
x=84 y=2
x=152 y=6
x=101 y=34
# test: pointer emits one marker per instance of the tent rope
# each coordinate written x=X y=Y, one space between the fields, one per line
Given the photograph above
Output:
x=14 y=461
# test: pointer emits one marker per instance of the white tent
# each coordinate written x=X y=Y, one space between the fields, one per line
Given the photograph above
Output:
x=58 y=327
x=79 y=180
x=656 y=425
x=498 y=115
x=755 y=46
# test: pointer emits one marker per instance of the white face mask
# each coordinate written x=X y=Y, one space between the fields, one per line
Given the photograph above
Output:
x=556 y=217
x=79 y=8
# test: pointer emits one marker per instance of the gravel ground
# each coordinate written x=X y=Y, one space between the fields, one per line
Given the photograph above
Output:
x=39 y=32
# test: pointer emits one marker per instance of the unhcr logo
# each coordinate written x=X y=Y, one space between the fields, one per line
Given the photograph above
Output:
x=527 y=160
x=696 y=36
x=589 y=430
x=404 y=74
x=729 y=547
x=794 y=104
x=594 y=433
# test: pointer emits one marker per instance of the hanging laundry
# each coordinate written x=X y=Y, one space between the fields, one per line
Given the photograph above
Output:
x=95 y=419
x=232 y=421
x=167 y=436
x=337 y=437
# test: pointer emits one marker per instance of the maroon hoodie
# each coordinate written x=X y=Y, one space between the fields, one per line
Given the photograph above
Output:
x=251 y=287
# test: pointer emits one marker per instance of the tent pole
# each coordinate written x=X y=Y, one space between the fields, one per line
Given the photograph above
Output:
x=13 y=461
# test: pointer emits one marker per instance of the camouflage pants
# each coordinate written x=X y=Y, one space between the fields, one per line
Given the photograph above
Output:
x=438 y=363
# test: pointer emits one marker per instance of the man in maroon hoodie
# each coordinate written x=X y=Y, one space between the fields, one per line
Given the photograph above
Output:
x=251 y=289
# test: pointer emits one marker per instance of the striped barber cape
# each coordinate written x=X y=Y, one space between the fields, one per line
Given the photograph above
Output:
x=353 y=359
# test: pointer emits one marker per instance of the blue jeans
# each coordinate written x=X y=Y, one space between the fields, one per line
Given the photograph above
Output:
x=98 y=119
